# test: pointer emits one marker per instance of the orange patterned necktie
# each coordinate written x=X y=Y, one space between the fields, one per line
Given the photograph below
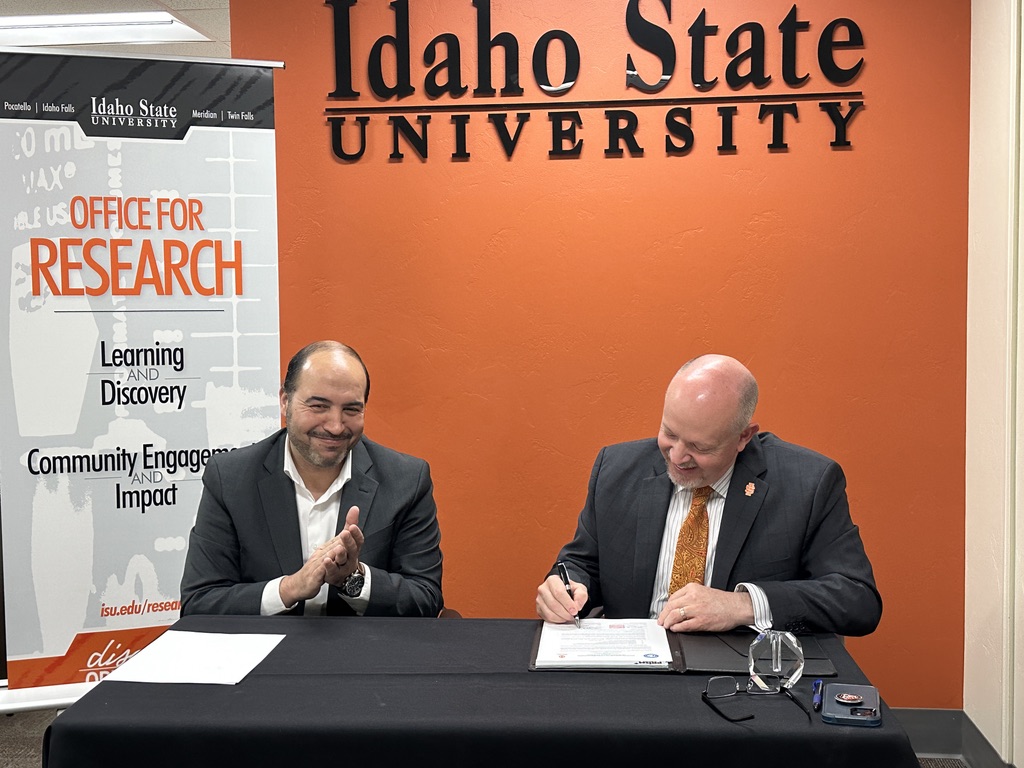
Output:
x=692 y=545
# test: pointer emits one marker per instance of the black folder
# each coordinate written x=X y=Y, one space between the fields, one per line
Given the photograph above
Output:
x=726 y=653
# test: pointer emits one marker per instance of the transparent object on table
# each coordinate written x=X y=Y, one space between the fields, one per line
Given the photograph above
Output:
x=776 y=659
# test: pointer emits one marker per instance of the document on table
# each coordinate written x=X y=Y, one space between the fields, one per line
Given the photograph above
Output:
x=620 y=644
x=196 y=657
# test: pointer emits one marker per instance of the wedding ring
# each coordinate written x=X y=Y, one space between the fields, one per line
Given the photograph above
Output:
x=682 y=612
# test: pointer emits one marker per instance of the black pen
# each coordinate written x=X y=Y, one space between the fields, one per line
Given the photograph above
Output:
x=816 y=689
x=563 y=573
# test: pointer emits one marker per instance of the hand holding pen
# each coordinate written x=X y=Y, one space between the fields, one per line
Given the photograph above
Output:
x=560 y=599
x=563 y=574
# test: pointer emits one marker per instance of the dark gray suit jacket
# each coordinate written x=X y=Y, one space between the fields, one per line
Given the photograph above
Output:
x=247 y=532
x=793 y=537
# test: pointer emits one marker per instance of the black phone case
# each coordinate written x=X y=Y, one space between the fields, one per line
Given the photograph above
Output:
x=837 y=713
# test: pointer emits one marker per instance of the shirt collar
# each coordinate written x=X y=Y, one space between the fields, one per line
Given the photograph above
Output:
x=293 y=472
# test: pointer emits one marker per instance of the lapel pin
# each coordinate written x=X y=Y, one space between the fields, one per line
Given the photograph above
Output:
x=749 y=490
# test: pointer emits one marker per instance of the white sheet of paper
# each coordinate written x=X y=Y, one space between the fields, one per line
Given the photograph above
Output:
x=196 y=657
x=604 y=644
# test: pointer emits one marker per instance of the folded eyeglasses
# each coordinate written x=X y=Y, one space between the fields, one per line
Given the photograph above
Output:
x=722 y=687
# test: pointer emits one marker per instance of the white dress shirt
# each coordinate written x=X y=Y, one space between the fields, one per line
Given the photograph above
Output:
x=318 y=521
x=678 y=509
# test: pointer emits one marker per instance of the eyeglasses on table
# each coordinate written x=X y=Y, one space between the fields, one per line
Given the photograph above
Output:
x=724 y=686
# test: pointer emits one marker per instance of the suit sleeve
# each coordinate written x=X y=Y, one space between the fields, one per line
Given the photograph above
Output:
x=410 y=584
x=835 y=588
x=581 y=554
x=212 y=581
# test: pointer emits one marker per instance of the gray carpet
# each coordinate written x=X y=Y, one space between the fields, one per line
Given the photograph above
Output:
x=21 y=739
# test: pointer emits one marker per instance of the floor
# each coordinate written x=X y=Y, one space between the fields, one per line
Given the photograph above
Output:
x=21 y=738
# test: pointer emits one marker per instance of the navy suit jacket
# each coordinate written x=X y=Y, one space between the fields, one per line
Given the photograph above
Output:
x=247 y=532
x=792 y=536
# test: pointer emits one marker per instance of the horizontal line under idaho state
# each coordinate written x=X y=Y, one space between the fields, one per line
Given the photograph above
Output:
x=126 y=311
x=560 y=106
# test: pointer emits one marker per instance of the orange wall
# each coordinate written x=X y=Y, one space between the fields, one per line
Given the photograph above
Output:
x=518 y=314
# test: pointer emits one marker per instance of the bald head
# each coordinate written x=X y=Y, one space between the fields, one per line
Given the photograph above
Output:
x=717 y=379
x=707 y=421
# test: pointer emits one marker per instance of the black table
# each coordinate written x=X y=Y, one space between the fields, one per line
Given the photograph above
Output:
x=413 y=692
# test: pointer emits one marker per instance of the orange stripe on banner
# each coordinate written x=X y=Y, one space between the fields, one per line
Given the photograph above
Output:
x=90 y=657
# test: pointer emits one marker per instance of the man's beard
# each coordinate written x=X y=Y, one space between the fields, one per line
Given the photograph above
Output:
x=304 y=447
x=690 y=483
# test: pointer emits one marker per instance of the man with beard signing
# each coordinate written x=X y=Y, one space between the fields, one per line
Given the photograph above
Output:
x=713 y=525
x=316 y=519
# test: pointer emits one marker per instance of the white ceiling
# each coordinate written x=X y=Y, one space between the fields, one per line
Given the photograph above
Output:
x=207 y=16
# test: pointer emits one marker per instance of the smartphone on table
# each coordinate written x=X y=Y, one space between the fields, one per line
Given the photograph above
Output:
x=847 y=704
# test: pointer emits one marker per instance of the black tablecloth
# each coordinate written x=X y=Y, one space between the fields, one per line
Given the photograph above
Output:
x=411 y=692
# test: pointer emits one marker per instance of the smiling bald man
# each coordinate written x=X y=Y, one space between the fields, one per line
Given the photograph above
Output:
x=777 y=548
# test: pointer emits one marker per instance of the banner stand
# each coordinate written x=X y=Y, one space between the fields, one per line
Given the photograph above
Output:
x=140 y=310
x=41 y=697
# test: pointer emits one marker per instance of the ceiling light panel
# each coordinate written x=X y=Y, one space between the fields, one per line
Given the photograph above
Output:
x=95 y=28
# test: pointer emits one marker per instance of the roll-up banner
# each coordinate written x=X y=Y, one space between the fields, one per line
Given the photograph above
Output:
x=139 y=232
